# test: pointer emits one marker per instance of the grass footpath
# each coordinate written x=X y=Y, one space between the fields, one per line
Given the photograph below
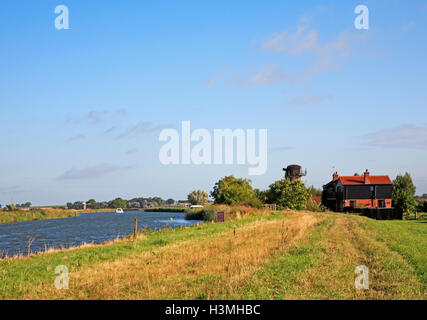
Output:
x=286 y=255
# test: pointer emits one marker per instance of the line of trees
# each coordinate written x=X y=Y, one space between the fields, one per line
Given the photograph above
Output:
x=295 y=195
x=135 y=203
x=284 y=193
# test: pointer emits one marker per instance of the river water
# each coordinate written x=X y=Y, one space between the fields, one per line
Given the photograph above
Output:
x=85 y=228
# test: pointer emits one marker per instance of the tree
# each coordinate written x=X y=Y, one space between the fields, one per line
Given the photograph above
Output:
x=315 y=192
x=198 y=197
x=118 y=203
x=230 y=190
x=289 y=194
x=404 y=193
x=92 y=204
x=170 y=201
x=69 y=205
x=11 y=207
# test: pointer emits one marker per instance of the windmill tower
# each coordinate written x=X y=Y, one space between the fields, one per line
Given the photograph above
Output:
x=294 y=172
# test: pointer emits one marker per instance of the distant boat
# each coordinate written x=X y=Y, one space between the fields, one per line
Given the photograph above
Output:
x=119 y=210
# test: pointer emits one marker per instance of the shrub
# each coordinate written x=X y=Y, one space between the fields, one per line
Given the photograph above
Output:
x=404 y=192
x=198 y=197
x=230 y=190
x=289 y=194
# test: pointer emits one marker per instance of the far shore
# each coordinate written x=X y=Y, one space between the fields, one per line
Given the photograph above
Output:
x=57 y=213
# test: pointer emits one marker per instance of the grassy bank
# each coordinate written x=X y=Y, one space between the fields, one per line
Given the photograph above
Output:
x=282 y=255
x=21 y=215
x=166 y=210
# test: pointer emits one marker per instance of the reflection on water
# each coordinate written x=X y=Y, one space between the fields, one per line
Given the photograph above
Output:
x=85 y=228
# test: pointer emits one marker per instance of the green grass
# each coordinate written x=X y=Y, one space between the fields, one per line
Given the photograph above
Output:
x=408 y=239
x=18 y=276
x=277 y=279
x=319 y=264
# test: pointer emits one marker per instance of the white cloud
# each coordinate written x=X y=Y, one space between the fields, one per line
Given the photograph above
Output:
x=309 y=99
x=131 y=151
x=407 y=136
x=14 y=189
x=267 y=75
x=139 y=128
x=327 y=56
x=76 y=138
x=89 y=172
x=409 y=26
x=216 y=78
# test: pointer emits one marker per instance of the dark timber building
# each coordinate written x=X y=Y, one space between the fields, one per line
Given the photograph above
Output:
x=348 y=192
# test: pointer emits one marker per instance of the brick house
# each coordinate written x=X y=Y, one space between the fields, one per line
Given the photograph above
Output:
x=346 y=192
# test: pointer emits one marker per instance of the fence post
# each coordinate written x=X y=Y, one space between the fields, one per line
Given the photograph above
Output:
x=135 y=228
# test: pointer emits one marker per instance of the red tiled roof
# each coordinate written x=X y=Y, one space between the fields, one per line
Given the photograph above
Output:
x=359 y=180
x=318 y=200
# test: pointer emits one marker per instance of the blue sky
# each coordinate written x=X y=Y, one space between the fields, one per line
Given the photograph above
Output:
x=82 y=108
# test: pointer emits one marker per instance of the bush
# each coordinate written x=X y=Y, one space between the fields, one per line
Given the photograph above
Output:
x=198 y=197
x=289 y=194
x=404 y=193
x=232 y=191
x=209 y=213
x=312 y=205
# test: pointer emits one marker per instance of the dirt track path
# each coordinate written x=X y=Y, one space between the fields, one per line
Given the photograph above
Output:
x=343 y=244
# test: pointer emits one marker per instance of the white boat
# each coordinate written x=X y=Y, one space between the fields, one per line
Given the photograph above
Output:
x=119 y=210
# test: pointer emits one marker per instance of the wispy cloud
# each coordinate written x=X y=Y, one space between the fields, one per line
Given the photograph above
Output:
x=303 y=42
x=407 y=136
x=89 y=172
x=281 y=149
x=216 y=78
x=76 y=138
x=111 y=129
x=140 y=128
x=327 y=56
x=409 y=26
x=13 y=189
x=309 y=99
x=131 y=151
x=267 y=75
x=95 y=117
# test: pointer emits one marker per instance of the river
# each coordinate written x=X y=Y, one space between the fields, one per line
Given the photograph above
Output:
x=85 y=228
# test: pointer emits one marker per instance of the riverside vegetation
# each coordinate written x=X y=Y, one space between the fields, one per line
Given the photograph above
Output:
x=255 y=254
x=42 y=214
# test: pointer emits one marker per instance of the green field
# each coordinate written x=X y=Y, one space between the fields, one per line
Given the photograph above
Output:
x=285 y=255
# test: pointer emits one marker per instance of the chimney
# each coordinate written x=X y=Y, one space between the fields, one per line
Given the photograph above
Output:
x=335 y=176
x=366 y=177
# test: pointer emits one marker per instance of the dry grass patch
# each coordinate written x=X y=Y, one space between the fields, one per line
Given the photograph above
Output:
x=211 y=268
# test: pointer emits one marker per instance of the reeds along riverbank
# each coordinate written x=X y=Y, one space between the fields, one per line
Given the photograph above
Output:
x=179 y=209
x=43 y=214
